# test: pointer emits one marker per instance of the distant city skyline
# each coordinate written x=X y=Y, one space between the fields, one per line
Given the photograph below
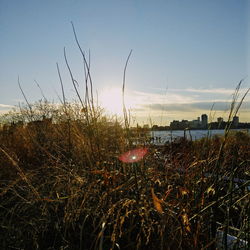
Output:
x=188 y=56
x=202 y=122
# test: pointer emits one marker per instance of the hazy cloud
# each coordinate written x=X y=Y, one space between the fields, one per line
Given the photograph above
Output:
x=5 y=106
x=151 y=98
x=180 y=100
x=217 y=106
x=210 y=91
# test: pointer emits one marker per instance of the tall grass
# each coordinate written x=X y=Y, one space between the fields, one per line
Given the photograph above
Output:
x=76 y=194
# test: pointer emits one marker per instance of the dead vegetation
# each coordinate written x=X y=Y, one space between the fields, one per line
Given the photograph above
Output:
x=64 y=187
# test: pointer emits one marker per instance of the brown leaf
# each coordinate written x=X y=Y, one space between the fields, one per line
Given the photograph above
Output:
x=157 y=202
x=186 y=221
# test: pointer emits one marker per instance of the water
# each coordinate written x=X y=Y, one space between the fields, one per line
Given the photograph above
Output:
x=160 y=137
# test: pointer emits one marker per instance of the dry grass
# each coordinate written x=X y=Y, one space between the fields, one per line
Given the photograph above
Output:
x=63 y=186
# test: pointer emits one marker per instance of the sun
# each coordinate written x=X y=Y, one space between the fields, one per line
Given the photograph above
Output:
x=111 y=100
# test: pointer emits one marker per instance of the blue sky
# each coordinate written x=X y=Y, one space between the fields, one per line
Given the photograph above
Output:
x=186 y=54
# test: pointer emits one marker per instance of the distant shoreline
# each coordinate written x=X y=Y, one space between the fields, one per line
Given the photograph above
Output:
x=191 y=129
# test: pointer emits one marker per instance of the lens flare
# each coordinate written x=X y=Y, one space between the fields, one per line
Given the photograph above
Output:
x=134 y=155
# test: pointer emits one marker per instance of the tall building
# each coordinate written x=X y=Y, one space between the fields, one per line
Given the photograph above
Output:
x=204 y=120
x=194 y=124
x=179 y=124
x=235 y=121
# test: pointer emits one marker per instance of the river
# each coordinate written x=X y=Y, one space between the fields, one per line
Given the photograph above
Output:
x=160 y=137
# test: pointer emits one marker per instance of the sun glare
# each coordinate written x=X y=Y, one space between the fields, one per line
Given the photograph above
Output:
x=111 y=100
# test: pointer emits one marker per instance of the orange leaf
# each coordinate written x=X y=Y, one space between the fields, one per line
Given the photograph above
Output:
x=157 y=202
x=186 y=222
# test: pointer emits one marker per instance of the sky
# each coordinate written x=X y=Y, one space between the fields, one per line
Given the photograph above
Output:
x=187 y=54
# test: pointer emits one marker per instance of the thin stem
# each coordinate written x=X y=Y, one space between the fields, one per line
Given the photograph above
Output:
x=123 y=92
x=26 y=100
x=72 y=78
x=61 y=82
